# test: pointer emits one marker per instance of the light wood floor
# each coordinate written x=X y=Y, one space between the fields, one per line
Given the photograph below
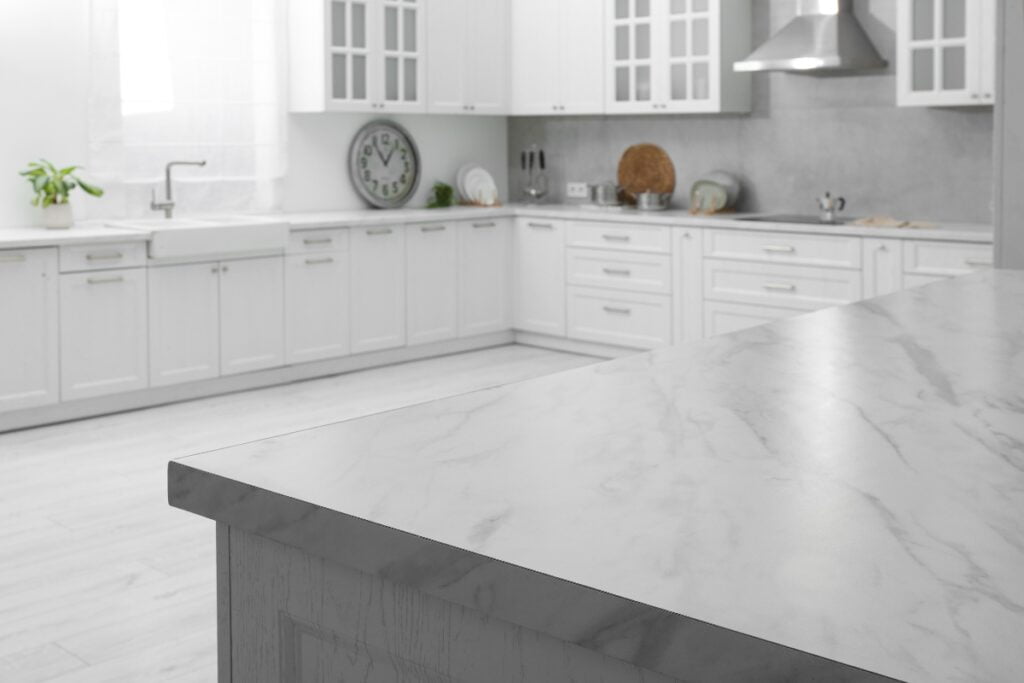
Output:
x=100 y=580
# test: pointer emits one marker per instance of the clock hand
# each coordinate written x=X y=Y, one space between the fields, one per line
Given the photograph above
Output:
x=379 y=153
x=393 y=148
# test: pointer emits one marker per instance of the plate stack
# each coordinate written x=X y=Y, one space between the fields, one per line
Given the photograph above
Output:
x=476 y=186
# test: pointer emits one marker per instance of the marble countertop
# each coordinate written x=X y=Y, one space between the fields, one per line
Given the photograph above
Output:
x=82 y=233
x=847 y=483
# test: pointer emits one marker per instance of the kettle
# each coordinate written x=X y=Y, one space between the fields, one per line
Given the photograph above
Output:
x=829 y=207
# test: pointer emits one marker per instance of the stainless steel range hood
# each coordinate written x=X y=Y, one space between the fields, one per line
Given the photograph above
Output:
x=824 y=37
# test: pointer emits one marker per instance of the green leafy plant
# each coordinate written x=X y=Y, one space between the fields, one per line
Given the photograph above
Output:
x=442 y=196
x=52 y=184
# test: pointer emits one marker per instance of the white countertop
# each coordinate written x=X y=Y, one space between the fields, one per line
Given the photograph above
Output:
x=848 y=483
x=81 y=233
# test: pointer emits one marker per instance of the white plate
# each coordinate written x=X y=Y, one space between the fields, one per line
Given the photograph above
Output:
x=480 y=186
x=460 y=180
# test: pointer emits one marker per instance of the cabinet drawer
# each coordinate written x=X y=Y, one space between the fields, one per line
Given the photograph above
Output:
x=723 y=318
x=620 y=270
x=835 y=251
x=650 y=238
x=800 y=287
x=82 y=257
x=635 y=320
x=945 y=258
x=312 y=241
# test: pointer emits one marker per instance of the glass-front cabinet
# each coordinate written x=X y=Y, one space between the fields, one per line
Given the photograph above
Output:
x=946 y=53
x=670 y=56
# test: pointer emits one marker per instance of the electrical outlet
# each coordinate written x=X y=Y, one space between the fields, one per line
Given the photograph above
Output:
x=576 y=190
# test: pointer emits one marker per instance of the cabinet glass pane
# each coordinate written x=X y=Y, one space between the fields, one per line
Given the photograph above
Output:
x=954 y=68
x=358 y=77
x=358 y=25
x=678 y=7
x=922 y=76
x=923 y=19
x=677 y=38
x=643 y=84
x=700 y=5
x=338 y=24
x=678 y=76
x=339 y=77
x=643 y=41
x=954 y=19
x=391 y=28
x=409 y=27
x=622 y=84
x=701 y=81
x=701 y=36
x=622 y=42
x=410 y=79
x=643 y=8
x=621 y=9
x=391 y=79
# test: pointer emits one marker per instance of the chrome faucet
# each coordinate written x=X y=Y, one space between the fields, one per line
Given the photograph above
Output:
x=830 y=207
x=167 y=206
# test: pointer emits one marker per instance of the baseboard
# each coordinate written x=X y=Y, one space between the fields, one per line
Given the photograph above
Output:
x=573 y=346
x=116 y=403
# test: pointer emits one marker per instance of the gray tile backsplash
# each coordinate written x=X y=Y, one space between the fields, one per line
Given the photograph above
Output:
x=805 y=135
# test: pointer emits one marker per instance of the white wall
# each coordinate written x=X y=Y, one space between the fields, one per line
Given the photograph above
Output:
x=318 y=155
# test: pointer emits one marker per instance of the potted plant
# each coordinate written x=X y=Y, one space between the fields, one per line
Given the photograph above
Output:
x=52 y=186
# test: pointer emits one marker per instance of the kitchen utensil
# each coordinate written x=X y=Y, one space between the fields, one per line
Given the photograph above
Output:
x=645 y=168
x=715 y=192
x=653 y=201
x=604 y=194
x=830 y=207
x=534 y=181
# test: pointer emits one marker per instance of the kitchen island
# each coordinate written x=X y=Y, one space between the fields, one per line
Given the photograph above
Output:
x=836 y=496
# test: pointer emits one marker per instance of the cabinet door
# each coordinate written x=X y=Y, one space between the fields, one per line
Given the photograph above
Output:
x=432 y=283
x=251 y=315
x=399 y=64
x=28 y=337
x=486 y=56
x=316 y=306
x=630 y=62
x=539 y=262
x=883 y=266
x=688 y=56
x=448 y=31
x=535 y=70
x=688 y=284
x=484 y=277
x=378 y=288
x=184 y=323
x=349 y=56
x=103 y=346
x=581 y=57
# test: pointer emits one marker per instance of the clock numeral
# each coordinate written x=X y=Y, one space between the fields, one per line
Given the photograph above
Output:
x=403 y=178
x=367 y=150
x=394 y=187
x=375 y=184
x=366 y=175
x=363 y=162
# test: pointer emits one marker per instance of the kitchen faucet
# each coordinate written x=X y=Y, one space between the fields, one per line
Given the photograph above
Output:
x=167 y=206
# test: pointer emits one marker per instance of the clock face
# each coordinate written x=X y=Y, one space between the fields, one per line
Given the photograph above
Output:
x=384 y=164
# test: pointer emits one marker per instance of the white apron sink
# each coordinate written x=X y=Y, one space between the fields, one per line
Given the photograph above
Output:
x=177 y=238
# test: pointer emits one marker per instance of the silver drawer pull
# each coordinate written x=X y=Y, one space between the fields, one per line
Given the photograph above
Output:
x=778 y=248
x=379 y=231
x=316 y=261
x=432 y=228
x=979 y=262
x=545 y=226
x=104 y=256
x=616 y=238
x=12 y=258
x=617 y=271
x=618 y=311
x=483 y=225
x=309 y=242
x=780 y=287
x=105 y=280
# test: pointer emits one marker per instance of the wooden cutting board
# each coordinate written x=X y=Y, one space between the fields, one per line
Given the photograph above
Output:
x=645 y=168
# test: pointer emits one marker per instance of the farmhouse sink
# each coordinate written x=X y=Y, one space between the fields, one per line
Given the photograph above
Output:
x=177 y=238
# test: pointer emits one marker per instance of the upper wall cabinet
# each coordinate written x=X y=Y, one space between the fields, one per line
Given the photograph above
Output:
x=557 y=57
x=467 y=57
x=676 y=56
x=357 y=55
x=946 y=53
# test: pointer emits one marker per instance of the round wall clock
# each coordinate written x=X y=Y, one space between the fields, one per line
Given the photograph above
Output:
x=384 y=164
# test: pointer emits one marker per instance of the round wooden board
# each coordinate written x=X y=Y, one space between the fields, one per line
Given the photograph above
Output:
x=645 y=168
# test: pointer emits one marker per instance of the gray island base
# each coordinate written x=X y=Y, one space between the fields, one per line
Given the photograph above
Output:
x=833 y=497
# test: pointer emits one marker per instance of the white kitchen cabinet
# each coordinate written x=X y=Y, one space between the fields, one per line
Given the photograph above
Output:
x=946 y=53
x=775 y=284
x=432 y=285
x=377 y=261
x=688 y=284
x=316 y=306
x=485 y=274
x=619 y=318
x=29 y=371
x=184 y=323
x=883 y=266
x=676 y=56
x=251 y=315
x=723 y=318
x=357 y=55
x=557 y=57
x=103 y=333
x=539 y=276
x=467 y=57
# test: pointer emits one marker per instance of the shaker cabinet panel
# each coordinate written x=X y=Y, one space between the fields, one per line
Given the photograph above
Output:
x=539 y=276
x=251 y=315
x=431 y=283
x=316 y=306
x=467 y=60
x=378 y=288
x=29 y=373
x=485 y=296
x=184 y=323
x=883 y=266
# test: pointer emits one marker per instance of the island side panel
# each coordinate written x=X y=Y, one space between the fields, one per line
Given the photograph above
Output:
x=223 y=603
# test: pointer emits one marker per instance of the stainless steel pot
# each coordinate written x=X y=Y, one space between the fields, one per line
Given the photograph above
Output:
x=653 y=201
x=604 y=194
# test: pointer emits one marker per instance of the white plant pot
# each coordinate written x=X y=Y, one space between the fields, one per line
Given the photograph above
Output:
x=58 y=216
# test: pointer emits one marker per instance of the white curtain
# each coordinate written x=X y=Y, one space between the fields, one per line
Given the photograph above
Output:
x=189 y=80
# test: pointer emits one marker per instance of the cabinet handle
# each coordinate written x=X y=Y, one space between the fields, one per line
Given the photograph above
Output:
x=618 y=311
x=105 y=280
x=979 y=262
x=223 y=269
x=215 y=270
x=432 y=228
x=778 y=248
x=483 y=225
x=379 y=231
x=780 y=287
x=12 y=258
x=616 y=238
x=544 y=226
x=104 y=256
x=319 y=240
x=317 y=261
x=617 y=271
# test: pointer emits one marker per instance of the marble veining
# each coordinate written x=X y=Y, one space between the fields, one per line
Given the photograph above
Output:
x=847 y=483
